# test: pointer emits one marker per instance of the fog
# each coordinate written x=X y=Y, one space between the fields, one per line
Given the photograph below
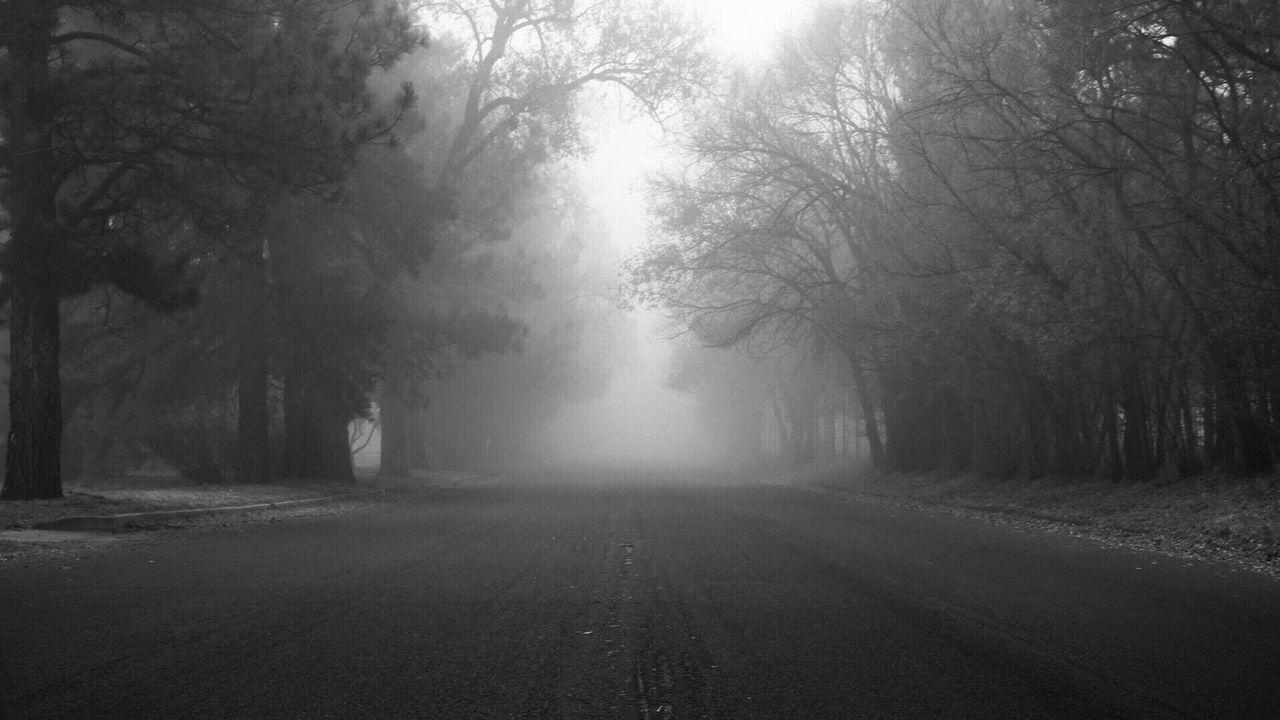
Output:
x=490 y=286
x=504 y=236
x=639 y=421
x=458 y=295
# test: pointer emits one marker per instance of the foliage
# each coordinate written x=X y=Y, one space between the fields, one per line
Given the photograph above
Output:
x=491 y=409
x=503 y=84
x=144 y=137
x=1038 y=227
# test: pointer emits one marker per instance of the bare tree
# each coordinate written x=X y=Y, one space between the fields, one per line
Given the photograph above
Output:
x=517 y=70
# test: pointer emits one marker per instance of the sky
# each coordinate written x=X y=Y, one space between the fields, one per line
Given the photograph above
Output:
x=638 y=420
x=744 y=30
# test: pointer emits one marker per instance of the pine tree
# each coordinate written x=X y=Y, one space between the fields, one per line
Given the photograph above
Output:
x=122 y=116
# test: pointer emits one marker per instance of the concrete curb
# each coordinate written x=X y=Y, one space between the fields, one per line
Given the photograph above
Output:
x=129 y=521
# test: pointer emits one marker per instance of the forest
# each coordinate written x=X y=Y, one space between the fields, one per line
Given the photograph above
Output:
x=1025 y=237
x=239 y=235
x=1009 y=237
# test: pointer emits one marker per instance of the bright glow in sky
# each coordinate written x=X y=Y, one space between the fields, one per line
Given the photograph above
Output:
x=745 y=30
x=742 y=31
x=624 y=153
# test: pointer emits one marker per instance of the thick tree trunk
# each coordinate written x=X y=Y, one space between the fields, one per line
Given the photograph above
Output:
x=402 y=414
x=416 y=437
x=254 y=416
x=317 y=446
x=35 y=246
x=316 y=441
x=393 y=415
x=33 y=462
x=336 y=463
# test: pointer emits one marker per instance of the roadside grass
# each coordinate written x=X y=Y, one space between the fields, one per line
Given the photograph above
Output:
x=153 y=492
x=116 y=496
x=1213 y=515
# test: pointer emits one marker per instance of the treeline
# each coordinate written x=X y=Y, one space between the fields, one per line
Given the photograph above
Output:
x=233 y=227
x=1040 y=233
x=791 y=406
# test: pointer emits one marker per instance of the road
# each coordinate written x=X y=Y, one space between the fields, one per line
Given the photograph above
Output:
x=634 y=597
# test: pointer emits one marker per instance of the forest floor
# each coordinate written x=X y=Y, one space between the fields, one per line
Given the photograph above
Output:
x=1236 y=520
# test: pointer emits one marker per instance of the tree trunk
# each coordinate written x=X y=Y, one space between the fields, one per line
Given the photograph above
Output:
x=1111 y=466
x=1242 y=438
x=33 y=462
x=778 y=442
x=336 y=463
x=416 y=437
x=1138 y=465
x=827 y=425
x=899 y=434
x=254 y=417
x=796 y=421
x=393 y=414
x=295 y=416
x=316 y=441
x=317 y=446
x=1194 y=454
x=868 y=413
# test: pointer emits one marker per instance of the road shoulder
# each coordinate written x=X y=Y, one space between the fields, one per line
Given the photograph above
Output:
x=105 y=514
x=1235 y=521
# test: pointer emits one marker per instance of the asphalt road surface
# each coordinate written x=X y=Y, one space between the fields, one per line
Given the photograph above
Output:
x=634 y=597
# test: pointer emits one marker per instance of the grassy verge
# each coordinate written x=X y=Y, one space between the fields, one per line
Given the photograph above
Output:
x=124 y=495
x=1211 y=516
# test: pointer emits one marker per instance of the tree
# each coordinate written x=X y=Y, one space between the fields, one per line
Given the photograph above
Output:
x=332 y=265
x=122 y=115
x=514 y=69
x=772 y=238
x=1090 y=155
x=553 y=275
x=1038 y=226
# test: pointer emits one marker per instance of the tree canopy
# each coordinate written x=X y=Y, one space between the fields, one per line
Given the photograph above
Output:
x=131 y=124
x=1037 y=230
x=209 y=259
